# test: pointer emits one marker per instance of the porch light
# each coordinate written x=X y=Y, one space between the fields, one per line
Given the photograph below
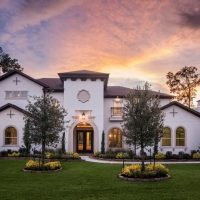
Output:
x=83 y=116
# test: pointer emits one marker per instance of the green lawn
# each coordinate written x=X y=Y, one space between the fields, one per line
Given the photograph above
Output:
x=83 y=180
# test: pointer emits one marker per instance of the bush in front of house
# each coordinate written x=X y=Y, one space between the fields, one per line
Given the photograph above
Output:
x=74 y=156
x=196 y=155
x=168 y=155
x=14 y=154
x=122 y=155
x=160 y=156
x=35 y=165
x=151 y=171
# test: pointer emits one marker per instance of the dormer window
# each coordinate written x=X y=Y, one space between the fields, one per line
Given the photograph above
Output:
x=16 y=94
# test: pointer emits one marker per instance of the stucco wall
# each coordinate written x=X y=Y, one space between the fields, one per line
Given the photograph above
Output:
x=24 y=85
x=17 y=122
x=93 y=108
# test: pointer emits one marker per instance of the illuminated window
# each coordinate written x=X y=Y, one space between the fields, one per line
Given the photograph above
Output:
x=166 y=138
x=117 y=109
x=10 y=136
x=115 y=138
x=180 y=136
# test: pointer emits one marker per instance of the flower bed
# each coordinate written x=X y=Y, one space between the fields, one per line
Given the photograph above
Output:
x=152 y=172
x=33 y=165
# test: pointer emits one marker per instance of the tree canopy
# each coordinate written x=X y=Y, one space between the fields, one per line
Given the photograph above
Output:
x=143 y=119
x=183 y=84
x=7 y=63
x=46 y=121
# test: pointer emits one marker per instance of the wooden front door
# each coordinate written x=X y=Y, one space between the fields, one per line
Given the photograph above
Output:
x=84 y=141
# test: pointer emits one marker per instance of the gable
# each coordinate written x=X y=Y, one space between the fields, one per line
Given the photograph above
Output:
x=180 y=106
x=17 y=74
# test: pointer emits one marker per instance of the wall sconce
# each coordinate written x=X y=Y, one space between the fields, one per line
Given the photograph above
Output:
x=83 y=116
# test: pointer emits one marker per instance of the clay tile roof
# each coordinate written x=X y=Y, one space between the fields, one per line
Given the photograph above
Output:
x=114 y=91
x=54 y=84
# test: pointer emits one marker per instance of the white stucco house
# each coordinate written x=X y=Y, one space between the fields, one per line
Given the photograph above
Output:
x=93 y=107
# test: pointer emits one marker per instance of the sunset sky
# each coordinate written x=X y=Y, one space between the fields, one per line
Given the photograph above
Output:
x=133 y=40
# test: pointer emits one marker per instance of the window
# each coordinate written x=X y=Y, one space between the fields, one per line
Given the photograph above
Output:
x=117 y=109
x=115 y=138
x=10 y=136
x=166 y=138
x=180 y=136
x=16 y=94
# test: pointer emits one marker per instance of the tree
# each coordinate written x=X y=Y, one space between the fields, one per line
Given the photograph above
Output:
x=63 y=143
x=143 y=119
x=103 y=143
x=7 y=63
x=183 y=83
x=27 y=137
x=46 y=121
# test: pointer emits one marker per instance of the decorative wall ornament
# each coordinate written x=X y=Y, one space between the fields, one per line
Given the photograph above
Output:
x=83 y=96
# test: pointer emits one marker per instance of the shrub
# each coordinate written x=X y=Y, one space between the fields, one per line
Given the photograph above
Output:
x=122 y=155
x=52 y=165
x=131 y=154
x=196 y=155
x=34 y=165
x=14 y=154
x=175 y=156
x=186 y=156
x=180 y=154
x=49 y=155
x=193 y=152
x=97 y=154
x=168 y=155
x=151 y=171
x=160 y=156
x=75 y=156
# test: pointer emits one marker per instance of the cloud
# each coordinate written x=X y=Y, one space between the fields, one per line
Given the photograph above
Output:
x=28 y=13
x=191 y=20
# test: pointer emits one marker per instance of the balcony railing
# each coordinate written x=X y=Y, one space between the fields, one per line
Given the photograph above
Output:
x=116 y=111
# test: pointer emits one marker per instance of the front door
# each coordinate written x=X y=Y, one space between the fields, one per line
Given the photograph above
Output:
x=84 y=141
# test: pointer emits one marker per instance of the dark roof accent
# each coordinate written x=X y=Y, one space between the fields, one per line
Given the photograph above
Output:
x=114 y=91
x=175 y=103
x=85 y=74
x=9 y=105
x=54 y=84
x=8 y=74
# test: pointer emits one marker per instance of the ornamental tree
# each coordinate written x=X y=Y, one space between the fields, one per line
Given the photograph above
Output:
x=183 y=84
x=103 y=143
x=46 y=121
x=27 y=137
x=142 y=119
x=7 y=63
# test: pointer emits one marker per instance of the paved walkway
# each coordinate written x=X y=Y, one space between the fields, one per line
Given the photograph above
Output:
x=89 y=159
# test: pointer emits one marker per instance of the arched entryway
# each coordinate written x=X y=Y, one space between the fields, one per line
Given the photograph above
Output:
x=83 y=138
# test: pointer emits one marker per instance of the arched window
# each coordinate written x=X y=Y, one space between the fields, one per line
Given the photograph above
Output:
x=180 y=136
x=166 y=137
x=10 y=136
x=115 y=138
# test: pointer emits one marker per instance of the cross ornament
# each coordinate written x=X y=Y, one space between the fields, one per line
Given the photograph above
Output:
x=16 y=81
x=173 y=112
x=11 y=114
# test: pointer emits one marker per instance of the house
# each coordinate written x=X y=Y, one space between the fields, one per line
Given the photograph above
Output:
x=93 y=107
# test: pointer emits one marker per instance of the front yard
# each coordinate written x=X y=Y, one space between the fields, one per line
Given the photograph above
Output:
x=84 y=180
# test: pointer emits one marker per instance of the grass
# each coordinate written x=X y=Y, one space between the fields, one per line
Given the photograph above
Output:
x=83 y=180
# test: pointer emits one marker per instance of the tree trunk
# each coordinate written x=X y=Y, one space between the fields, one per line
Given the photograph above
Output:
x=142 y=159
x=43 y=151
